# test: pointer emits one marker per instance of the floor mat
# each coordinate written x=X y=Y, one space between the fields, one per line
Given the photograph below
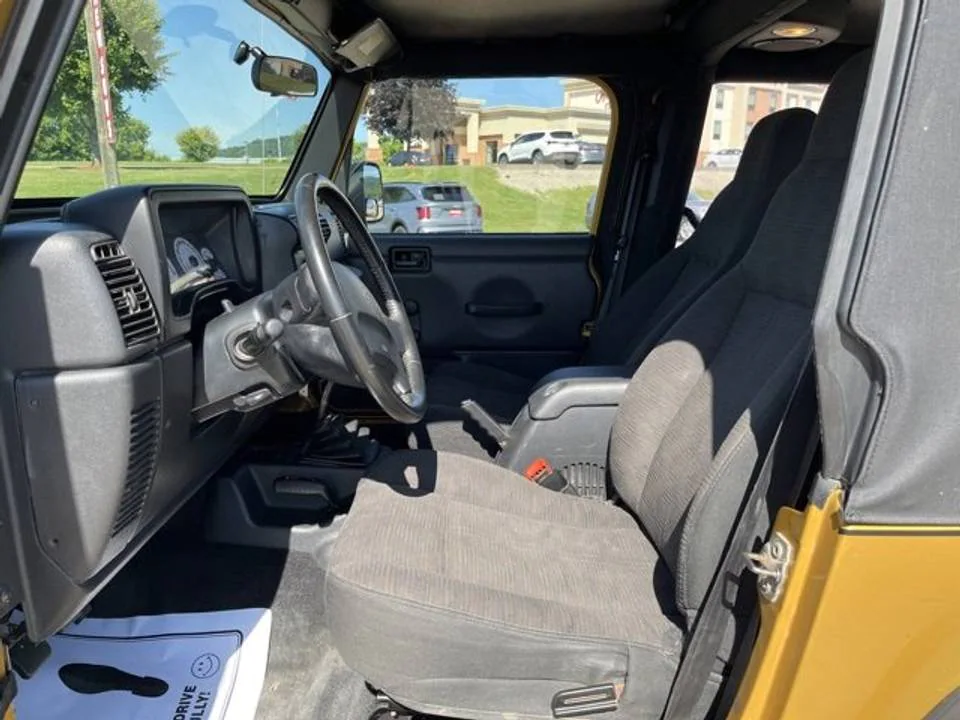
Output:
x=305 y=677
x=203 y=666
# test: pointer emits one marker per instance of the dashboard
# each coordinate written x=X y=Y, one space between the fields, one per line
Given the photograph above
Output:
x=100 y=434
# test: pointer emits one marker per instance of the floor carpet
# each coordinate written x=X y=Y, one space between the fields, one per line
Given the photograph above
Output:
x=306 y=677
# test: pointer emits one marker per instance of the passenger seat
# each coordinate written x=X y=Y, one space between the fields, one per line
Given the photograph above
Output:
x=639 y=317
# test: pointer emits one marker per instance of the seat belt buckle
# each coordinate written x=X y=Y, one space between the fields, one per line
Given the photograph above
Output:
x=586 y=330
x=541 y=472
x=584 y=701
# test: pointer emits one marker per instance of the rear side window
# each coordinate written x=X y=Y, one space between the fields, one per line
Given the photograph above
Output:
x=445 y=193
x=528 y=153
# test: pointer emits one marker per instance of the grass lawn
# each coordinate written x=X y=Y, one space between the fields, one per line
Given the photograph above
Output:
x=53 y=179
x=505 y=209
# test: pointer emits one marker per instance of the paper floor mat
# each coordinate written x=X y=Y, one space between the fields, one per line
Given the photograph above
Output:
x=196 y=666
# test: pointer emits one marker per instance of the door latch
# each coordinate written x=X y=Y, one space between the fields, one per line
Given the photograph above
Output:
x=771 y=565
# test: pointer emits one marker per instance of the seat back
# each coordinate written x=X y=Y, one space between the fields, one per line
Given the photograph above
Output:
x=658 y=297
x=702 y=408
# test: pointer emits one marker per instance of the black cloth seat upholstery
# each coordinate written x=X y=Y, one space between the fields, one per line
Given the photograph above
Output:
x=462 y=590
x=651 y=304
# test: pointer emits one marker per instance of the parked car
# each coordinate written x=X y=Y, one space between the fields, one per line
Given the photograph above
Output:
x=695 y=204
x=428 y=208
x=726 y=159
x=409 y=157
x=550 y=146
x=592 y=153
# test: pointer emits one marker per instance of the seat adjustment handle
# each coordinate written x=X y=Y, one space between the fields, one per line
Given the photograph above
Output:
x=584 y=701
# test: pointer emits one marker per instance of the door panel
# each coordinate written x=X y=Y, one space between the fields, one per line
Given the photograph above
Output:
x=516 y=301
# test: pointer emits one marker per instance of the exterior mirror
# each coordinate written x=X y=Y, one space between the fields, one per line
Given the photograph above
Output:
x=284 y=76
x=365 y=191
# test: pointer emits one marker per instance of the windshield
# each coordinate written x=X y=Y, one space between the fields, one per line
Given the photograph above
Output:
x=179 y=109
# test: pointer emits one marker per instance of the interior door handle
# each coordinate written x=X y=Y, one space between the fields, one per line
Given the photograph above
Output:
x=407 y=259
x=486 y=310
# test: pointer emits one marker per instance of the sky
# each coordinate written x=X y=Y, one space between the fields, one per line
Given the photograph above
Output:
x=205 y=86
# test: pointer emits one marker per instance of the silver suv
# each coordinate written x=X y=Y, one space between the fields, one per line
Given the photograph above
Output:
x=441 y=207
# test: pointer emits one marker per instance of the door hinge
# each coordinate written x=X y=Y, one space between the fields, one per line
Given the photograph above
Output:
x=771 y=565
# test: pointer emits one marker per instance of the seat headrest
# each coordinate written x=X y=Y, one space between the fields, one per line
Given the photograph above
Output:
x=775 y=146
x=789 y=251
x=836 y=124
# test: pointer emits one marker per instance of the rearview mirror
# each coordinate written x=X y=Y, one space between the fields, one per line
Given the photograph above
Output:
x=284 y=76
x=365 y=191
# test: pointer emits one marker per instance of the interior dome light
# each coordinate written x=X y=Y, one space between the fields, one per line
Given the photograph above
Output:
x=793 y=31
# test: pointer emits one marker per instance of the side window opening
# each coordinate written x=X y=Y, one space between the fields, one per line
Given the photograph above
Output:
x=520 y=155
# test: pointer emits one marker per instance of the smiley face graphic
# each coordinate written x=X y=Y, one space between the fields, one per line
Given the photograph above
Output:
x=205 y=666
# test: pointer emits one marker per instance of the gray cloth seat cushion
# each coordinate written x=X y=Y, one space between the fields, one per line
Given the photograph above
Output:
x=470 y=592
x=639 y=318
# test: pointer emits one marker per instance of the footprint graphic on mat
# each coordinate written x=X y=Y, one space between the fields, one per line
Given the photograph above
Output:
x=89 y=679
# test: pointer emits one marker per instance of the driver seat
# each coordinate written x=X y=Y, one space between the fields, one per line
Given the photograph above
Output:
x=462 y=590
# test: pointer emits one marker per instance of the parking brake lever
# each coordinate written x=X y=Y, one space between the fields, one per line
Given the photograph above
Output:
x=490 y=426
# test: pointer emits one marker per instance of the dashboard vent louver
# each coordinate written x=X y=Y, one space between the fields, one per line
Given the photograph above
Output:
x=325 y=227
x=131 y=299
x=141 y=465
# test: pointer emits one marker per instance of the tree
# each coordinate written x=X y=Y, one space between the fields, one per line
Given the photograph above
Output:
x=133 y=139
x=358 y=152
x=198 y=144
x=137 y=63
x=389 y=147
x=408 y=109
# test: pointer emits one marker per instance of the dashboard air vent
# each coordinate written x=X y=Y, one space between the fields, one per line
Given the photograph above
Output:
x=131 y=299
x=325 y=227
x=141 y=465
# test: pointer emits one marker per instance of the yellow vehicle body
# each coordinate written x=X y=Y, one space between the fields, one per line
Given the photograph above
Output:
x=867 y=626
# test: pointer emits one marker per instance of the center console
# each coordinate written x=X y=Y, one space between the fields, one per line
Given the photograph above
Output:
x=567 y=422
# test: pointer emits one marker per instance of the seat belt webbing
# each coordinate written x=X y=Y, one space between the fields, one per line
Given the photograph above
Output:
x=639 y=180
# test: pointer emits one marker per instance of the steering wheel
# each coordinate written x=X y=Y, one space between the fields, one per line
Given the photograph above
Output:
x=371 y=329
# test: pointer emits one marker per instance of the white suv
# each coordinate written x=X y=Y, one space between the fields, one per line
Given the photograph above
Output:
x=726 y=159
x=552 y=146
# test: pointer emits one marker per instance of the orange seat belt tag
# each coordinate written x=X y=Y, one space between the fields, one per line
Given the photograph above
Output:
x=537 y=470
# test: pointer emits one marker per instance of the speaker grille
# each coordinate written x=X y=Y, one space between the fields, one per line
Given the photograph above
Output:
x=141 y=465
x=590 y=479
